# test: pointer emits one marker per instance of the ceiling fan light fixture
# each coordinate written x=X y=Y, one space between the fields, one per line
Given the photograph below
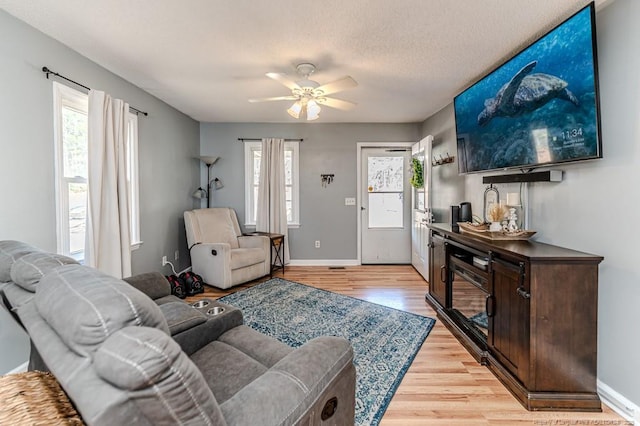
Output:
x=309 y=95
x=313 y=110
x=294 y=110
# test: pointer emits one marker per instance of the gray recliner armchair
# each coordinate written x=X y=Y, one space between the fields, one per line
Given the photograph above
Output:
x=219 y=251
x=108 y=344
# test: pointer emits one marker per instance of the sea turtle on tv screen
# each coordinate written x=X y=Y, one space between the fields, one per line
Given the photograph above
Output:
x=525 y=93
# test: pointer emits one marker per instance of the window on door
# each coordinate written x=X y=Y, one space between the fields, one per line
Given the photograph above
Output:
x=385 y=185
x=71 y=170
x=253 y=158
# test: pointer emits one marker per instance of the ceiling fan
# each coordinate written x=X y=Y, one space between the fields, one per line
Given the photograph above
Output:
x=309 y=95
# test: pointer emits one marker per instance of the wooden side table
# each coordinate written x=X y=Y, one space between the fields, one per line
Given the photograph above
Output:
x=276 y=257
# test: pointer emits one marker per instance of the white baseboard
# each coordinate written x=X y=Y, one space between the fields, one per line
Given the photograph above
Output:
x=323 y=262
x=619 y=403
x=20 y=369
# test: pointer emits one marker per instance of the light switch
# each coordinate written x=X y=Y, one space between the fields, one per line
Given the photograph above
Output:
x=349 y=201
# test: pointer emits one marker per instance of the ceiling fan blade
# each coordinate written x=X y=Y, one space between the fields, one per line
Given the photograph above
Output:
x=284 y=80
x=336 y=103
x=337 y=86
x=275 y=98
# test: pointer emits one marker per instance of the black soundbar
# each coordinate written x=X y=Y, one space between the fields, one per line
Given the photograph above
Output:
x=545 y=176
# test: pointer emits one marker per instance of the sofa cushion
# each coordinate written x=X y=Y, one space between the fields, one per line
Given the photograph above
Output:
x=241 y=258
x=10 y=251
x=181 y=316
x=237 y=358
x=300 y=377
x=226 y=369
x=167 y=386
x=264 y=349
x=85 y=306
x=30 y=268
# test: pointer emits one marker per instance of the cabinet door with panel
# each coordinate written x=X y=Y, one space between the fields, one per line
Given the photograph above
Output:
x=509 y=317
x=438 y=274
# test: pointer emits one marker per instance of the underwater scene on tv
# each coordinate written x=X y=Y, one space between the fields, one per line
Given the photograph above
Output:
x=538 y=108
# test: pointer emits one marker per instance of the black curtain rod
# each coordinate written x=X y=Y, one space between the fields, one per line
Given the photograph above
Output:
x=259 y=140
x=47 y=71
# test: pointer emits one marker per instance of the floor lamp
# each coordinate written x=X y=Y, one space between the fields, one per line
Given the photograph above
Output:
x=209 y=161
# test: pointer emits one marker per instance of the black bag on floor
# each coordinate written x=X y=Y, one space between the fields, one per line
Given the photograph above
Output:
x=193 y=283
x=178 y=288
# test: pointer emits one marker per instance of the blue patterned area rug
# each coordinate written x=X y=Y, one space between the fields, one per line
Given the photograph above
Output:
x=384 y=340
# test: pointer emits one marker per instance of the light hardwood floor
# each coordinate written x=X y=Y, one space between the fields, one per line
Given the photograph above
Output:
x=444 y=385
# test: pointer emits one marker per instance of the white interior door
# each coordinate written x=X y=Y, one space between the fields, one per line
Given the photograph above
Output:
x=385 y=206
x=421 y=209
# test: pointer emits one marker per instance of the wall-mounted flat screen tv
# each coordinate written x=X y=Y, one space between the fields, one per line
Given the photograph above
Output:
x=537 y=109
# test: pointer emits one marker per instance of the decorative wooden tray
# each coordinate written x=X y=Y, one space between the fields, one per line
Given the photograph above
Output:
x=482 y=231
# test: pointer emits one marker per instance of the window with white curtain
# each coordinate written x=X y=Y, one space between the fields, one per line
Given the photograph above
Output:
x=132 y=179
x=252 y=159
x=71 y=170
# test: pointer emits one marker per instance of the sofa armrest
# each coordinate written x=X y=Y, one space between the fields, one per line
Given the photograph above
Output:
x=153 y=284
x=196 y=338
x=254 y=241
x=309 y=376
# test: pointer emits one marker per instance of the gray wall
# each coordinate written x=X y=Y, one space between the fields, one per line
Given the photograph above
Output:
x=168 y=142
x=595 y=209
x=14 y=343
x=447 y=187
x=327 y=148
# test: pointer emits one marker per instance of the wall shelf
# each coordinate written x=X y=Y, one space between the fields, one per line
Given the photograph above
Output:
x=448 y=159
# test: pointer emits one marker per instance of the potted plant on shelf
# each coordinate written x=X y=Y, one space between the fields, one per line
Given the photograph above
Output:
x=417 y=173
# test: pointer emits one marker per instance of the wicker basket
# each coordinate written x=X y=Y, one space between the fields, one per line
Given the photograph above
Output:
x=35 y=398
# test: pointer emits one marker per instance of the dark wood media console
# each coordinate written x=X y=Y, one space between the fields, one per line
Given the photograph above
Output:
x=529 y=315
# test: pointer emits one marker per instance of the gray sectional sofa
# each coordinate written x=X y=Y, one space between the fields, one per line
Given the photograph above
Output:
x=124 y=359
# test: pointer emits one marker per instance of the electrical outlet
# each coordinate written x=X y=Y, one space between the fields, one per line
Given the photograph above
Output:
x=176 y=255
x=164 y=260
x=317 y=243
x=349 y=201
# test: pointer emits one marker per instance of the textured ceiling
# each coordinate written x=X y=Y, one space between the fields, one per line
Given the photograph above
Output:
x=206 y=57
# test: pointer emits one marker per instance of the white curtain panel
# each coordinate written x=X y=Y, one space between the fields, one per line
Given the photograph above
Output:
x=272 y=207
x=108 y=242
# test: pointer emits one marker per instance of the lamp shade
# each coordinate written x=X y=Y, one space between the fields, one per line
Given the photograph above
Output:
x=294 y=110
x=199 y=193
x=208 y=160
x=313 y=110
